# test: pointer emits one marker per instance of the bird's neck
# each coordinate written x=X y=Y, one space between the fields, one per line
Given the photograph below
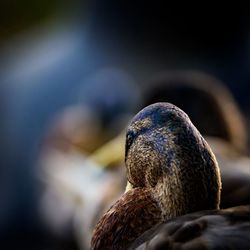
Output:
x=171 y=198
x=188 y=189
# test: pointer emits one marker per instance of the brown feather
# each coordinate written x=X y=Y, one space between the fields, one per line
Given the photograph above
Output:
x=133 y=214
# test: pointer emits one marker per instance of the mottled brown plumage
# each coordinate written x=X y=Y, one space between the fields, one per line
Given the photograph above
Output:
x=172 y=171
x=134 y=213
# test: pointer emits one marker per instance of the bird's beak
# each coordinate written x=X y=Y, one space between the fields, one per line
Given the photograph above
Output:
x=128 y=187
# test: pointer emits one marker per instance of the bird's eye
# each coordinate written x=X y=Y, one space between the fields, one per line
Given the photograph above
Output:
x=130 y=137
x=129 y=140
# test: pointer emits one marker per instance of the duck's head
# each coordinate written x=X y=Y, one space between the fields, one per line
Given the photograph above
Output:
x=165 y=152
x=171 y=170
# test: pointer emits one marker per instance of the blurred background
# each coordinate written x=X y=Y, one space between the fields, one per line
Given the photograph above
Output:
x=72 y=75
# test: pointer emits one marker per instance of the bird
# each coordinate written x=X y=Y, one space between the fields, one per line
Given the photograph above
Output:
x=171 y=171
x=76 y=187
x=235 y=173
x=214 y=111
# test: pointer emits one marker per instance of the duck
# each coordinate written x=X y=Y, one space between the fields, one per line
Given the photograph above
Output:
x=76 y=187
x=171 y=171
x=214 y=111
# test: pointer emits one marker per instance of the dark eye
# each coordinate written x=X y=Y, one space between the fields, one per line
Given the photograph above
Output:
x=129 y=140
x=130 y=137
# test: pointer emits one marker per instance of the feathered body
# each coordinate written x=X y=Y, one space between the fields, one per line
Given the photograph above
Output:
x=171 y=170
